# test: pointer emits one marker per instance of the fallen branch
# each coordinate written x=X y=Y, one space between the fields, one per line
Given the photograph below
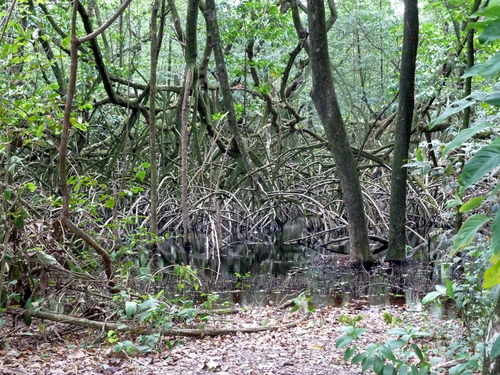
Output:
x=137 y=329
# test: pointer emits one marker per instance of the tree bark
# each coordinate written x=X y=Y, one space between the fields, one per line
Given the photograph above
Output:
x=153 y=218
x=325 y=100
x=397 y=216
x=64 y=217
x=239 y=148
x=190 y=90
x=492 y=367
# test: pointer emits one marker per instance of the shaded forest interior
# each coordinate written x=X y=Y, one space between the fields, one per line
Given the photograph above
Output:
x=360 y=132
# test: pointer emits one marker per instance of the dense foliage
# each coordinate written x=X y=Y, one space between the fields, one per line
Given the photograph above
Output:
x=185 y=118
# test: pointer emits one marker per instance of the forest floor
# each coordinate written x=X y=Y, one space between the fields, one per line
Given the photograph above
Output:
x=308 y=348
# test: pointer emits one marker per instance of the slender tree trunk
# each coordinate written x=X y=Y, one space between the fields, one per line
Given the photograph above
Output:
x=397 y=218
x=64 y=217
x=459 y=217
x=239 y=148
x=325 y=100
x=190 y=89
x=153 y=155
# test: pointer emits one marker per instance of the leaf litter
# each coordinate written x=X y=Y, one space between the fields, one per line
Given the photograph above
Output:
x=309 y=348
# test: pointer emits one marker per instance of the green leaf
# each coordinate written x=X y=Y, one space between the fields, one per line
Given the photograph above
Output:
x=388 y=369
x=7 y=194
x=403 y=370
x=110 y=202
x=486 y=69
x=130 y=309
x=467 y=232
x=492 y=276
x=349 y=352
x=367 y=363
x=492 y=98
x=491 y=32
x=495 y=349
x=431 y=297
x=358 y=358
x=495 y=234
x=481 y=163
x=30 y=186
x=397 y=331
x=441 y=288
x=77 y=124
x=490 y=11
x=378 y=364
x=46 y=258
x=19 y=221
x=454 y=202
x=449 y=288
x=455 y=107
x=148 y=304
x=418 y=352
x=471 y=204
x=395 y=344
x=387 y=353
x=463 y=136
x=39 y=131
x=418 y=155
x=141 y=175
x=27 y=318
x=343 y=341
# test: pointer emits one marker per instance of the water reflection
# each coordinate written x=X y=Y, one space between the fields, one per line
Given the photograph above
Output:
x=264 y=270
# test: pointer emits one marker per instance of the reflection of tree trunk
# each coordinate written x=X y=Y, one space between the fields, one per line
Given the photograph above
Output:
x=325 y=100
x=397 y=221
x=492 y=367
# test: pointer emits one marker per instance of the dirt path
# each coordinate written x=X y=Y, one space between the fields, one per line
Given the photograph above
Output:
x=306 y=349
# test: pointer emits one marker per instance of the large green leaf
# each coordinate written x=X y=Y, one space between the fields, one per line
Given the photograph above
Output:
x=471 y=204
x=463 y=136
x=491 y=32
x=431 y=297
x=343 y=341
x=491 y=11
x=130 y=309
x=486 y=69
x=495 y=349
x=493 y=98
x=495 y=234
x=481 y=163
x=492 y=276
x=467 y=231
x=455 y=107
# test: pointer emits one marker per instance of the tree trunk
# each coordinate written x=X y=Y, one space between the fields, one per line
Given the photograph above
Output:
x=325 y=100
x=153 y=156
x=239 y=148
x=492 y=367
x=190 y=90
x=397 y=218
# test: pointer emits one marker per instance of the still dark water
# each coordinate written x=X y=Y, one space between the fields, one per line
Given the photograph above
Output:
x=263 y=270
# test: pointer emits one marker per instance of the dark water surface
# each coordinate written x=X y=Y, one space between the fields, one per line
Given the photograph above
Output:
x=266 y=270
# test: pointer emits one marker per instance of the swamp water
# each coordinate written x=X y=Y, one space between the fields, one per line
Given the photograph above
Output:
x=263 y=270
